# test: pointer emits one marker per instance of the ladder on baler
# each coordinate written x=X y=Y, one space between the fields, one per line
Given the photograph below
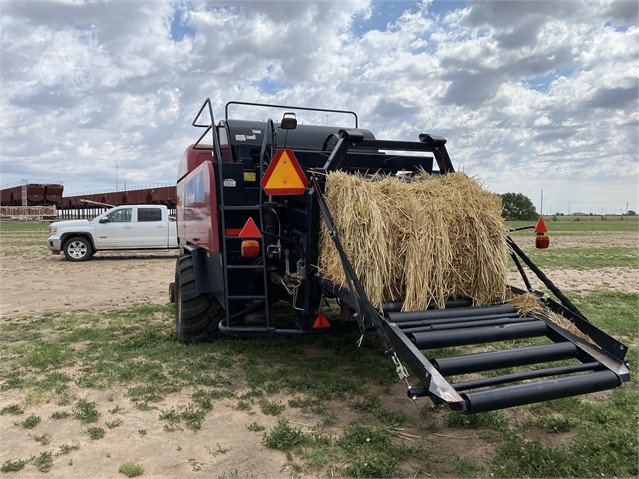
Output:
x=237 y=301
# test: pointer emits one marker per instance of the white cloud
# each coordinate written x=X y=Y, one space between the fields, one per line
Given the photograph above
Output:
x=531 y=95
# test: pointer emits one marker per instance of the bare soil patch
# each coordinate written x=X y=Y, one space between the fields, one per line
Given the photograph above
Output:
x=37 y=282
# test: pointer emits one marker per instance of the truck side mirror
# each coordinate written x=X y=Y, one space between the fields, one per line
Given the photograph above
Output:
x=105 y=220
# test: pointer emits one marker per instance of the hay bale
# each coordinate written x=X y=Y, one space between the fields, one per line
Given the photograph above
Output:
x=426 y=240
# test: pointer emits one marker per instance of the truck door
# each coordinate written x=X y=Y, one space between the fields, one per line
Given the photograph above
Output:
x=151 y=229
x=115 y=230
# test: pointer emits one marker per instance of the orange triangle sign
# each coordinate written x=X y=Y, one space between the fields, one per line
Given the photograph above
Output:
x=541 y=226
x=321 y=321
x=250 y=230
x=284 y=175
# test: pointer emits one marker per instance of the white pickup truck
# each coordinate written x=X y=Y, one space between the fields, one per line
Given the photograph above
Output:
x=135 y=227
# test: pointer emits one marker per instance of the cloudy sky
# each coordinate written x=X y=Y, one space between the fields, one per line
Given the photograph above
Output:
x=531 y=95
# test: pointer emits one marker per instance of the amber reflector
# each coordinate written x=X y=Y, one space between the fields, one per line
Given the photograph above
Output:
x=542 y=242
x=250 y=249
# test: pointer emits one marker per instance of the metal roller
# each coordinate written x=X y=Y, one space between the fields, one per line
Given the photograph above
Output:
x=460 y=319
x=472 y=363
x=526 y=375
x=449 y=313
x=520 y=394
x=394 y=306
x=488 y=334
x=468 y=324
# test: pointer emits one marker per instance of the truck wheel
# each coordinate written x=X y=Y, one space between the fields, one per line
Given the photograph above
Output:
x=196 y=316
x=78 y=249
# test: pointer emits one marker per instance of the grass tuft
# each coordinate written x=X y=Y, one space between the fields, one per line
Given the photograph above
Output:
x=130 y=469
x=86 y=411
x=29 y=422
x=13 y=466
x=282 y=436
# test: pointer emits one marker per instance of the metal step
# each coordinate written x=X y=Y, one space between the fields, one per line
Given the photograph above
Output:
x=520 y=394
x=240 y=207
x=244 y=266
x=467 y=336
x=261 y=296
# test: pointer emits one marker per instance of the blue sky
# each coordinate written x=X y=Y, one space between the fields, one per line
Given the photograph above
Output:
x=531 y=95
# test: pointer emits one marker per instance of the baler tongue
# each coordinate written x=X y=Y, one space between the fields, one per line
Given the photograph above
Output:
x=583 y=368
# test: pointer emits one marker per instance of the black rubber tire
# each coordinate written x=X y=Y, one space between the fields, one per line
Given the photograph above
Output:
x=78 y=249
x=196 y=316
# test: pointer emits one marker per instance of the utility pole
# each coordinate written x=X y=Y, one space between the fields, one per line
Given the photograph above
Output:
x=541 y=213
x=627 y=207
x=116 y=175
x=569 y=208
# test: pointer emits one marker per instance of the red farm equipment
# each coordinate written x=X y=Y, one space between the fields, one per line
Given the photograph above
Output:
x=250 y=205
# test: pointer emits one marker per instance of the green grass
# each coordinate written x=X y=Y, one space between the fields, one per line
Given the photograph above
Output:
x=13 y=466
x=14 y=409
x=44 y=462
x=131 y=469
x=96 y=432
x=586 y=257
x=570 y=226
x=283 y=436
x=86 y=411
x=29 y=422
x=24 y=227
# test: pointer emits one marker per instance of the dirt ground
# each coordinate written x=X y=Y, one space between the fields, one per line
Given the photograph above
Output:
x=36 y=282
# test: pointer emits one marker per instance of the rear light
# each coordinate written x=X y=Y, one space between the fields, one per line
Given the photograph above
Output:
x=250 y=249
x=542 y=241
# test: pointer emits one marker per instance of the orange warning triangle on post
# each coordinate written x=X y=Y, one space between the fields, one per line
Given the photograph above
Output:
x=541 y=226
x=250 y=230
x=321 y=321
x=284 y=175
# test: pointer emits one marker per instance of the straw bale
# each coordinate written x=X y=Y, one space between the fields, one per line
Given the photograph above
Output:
x=419 y=241
x=527 y=304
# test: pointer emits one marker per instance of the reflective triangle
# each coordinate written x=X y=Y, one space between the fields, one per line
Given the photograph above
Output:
x=250 y=230
x=541 y=226
x=321 y=321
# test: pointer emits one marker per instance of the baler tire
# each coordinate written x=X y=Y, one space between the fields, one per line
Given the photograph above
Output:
x=78 y=249
x=197 y=316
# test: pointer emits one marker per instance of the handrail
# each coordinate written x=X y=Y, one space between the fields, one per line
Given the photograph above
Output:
x=208 y=127
x=288 y=107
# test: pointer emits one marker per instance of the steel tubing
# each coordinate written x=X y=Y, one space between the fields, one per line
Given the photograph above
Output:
x=520 y=394
x=488 y=334
x=448 y=313
x=525 y=375
x=468 y=324
x=506 y=358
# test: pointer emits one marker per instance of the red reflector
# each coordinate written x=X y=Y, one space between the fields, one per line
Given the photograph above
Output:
x=250 y=230
x=542 y=241
x=250 y=249
x=233 y=231
x=541 y=226
x=321 y=321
